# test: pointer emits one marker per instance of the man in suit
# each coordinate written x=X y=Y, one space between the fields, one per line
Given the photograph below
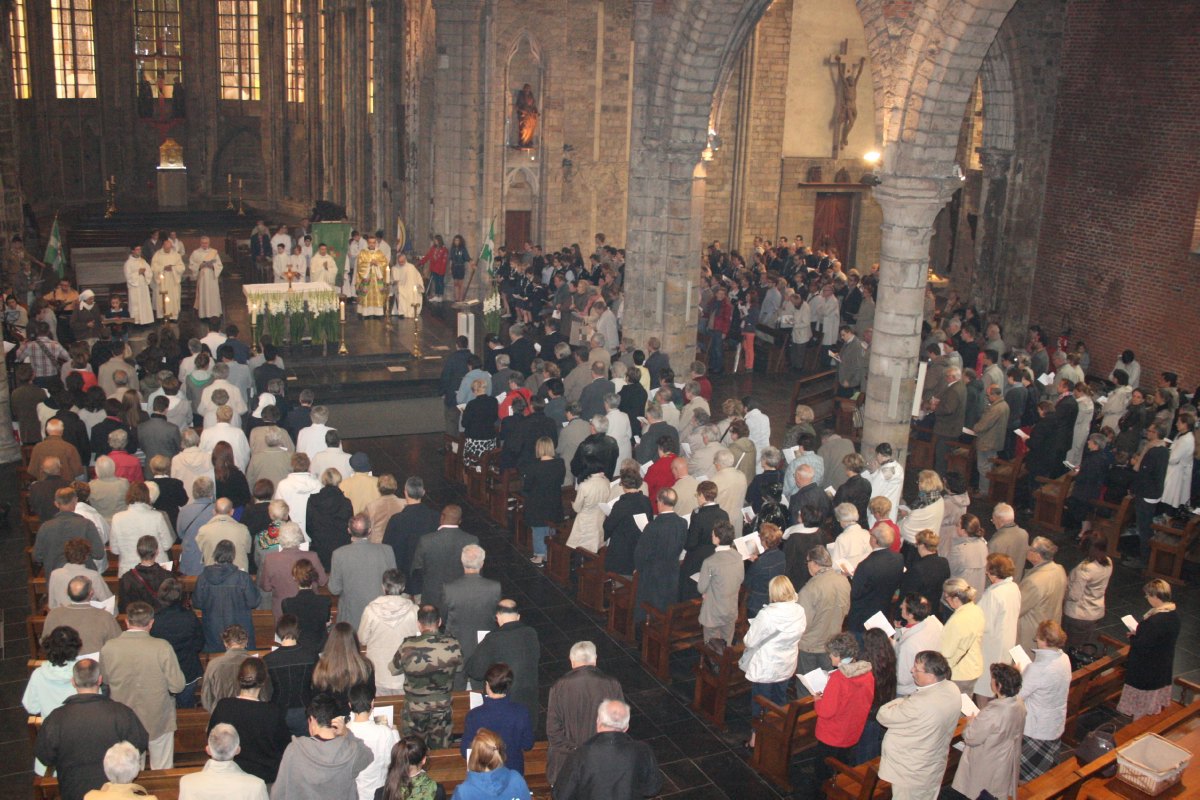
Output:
x=514 y=643
x=698 y=544
x=569 y=439
x=919 y=729
x=591 y=399
x=158 y=436
x=570 y=711
x=1043 y=590
x=521 y=351
x=990 y=430
x=875 y=581
x=439 y=556
x=75 y=736
x=95 y=626
x=720 y=578
x=357 y=571
x=1066 y=409
x=406 y=527
x=657 y=360
x=143 y=673
x=949 y=411
x=647 y=448
x=852 y=363
x=65 y=525
x=1009 y=539
x=470 y=605
x=656 y=557
x=1015 y=395
x=43 y=492
x=809 y=493
x=610 y=764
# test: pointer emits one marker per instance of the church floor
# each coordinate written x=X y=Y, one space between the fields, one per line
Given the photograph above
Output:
x=697 y=760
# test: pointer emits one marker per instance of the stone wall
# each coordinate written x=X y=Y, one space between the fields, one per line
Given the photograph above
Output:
x=1121 y=199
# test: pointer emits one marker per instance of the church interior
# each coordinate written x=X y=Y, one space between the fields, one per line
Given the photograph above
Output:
x=1009 y=186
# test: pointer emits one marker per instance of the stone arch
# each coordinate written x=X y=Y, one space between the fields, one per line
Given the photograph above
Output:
x=240 y=153
x=999 y=114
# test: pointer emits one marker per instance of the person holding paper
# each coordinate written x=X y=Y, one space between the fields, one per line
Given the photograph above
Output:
x=621 y=531
x=762 y=567
x=720 y=579
x=875 y=581
x=825 y=599
x=1151 y=654
x=1043 y=590
x=843 y=706
x=1001 y=606
x=1044 y=687
x=963 y=633
x=991 y=759
x=920 y=726
x=770 y=657
x=853 y=544
x=500 y=714
x=731 y=488
x=656 y=557
x=920 y=631
x=699 y=544
x=927 y=510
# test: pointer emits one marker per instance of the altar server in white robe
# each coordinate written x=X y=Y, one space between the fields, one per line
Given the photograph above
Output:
x=408 y=288
x=298 y=264
x=168 y=275
x=323 y=268
x=204 y=267
x=279 y=264
x=350 y=274
x=282 y=237
x=138 y=277
x=177 y=246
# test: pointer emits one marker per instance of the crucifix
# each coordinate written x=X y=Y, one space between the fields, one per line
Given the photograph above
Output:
x=845 y=107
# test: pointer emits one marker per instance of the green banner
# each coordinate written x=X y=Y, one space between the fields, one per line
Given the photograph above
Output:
x=336 y=236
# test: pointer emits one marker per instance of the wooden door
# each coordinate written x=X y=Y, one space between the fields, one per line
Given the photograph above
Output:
x=833 y=224
x=518 y=227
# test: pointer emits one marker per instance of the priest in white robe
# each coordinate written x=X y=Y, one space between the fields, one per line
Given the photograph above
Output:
x=137 y=282
x=282 y=237
x=204 y=267
x=167 y=267
x=408 y=288
x=323 y=268
x=350 y=276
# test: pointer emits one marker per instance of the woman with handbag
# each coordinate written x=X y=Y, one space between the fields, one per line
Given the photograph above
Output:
x=991 y=759
x=772 y=643
x=1151 y=655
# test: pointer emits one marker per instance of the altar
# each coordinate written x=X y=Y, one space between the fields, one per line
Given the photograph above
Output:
x=295 y=312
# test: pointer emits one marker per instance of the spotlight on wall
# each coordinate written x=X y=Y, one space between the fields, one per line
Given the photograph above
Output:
x=711 y=146
x=958 y=173
x=872 y=159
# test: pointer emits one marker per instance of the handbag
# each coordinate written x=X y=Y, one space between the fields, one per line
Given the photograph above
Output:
x=1096 y=744
x=1082 y=654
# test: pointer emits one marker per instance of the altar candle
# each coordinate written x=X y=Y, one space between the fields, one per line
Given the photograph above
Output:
x=342 y=311
x=239 y=184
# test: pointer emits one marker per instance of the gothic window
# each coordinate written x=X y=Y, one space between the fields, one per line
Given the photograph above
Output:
x=294 y=50
x=74 y=49
x=156 y=48
x=237 y=32
x=371 y=59
x=19 y=45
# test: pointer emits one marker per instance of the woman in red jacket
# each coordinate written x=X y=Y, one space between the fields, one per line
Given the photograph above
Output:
x=843 y=707
x=436 y=256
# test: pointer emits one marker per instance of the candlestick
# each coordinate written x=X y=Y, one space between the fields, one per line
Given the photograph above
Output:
x=342 y=311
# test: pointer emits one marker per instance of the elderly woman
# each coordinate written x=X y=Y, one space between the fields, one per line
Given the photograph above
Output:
x=956 y=502
x=77 y=552
x=1045 y=684
x=968 y=555
x=1086 y=585
x=771 y=643
x=108 y=491
x=329 y=512
x=843 y=707
x=259 y=723
x=962 y=634
x=731 y=409
x=385 y=623
x=1151 y=654
x=275 y=574
x=1001 y=606
x=122 y=763
x=478 y=422
x=926 y=511
x=1177 y=489
x=267 y=540
x=192 y=517
x=991 y=760
x=762 y=568
x=136 y=521
x=853 y=544
x=227 y=596
x=803 y=424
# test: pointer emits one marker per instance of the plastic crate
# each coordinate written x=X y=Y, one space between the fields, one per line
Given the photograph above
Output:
x=1151 y=764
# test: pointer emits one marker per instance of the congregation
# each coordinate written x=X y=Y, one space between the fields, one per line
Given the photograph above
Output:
x=272 y=578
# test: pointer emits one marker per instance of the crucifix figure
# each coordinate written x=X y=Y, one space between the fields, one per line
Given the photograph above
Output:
x=846 y=111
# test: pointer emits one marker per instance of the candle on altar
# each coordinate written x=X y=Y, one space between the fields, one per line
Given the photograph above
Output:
x=229 y=178
x=342 y=311
x=239 y=184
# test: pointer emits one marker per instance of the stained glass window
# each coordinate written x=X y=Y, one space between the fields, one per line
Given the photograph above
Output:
x=74 y=49
x=237 y=39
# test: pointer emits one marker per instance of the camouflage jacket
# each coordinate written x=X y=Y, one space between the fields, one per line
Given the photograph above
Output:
x=429 y=663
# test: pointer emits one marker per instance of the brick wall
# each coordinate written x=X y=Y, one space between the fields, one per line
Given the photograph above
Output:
x=1121 y=199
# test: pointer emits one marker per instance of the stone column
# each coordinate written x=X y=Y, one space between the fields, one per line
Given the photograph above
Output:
x=909 y=207
x=993 y=202
x=663 y=248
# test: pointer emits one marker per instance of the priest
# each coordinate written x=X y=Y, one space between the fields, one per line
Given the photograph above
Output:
x=407 y=287
x=323 y=268
x=167 y=267
x=137 y=282
x=204 y=267
x=371 y=279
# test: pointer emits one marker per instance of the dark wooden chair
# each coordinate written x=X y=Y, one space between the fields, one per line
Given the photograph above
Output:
x=593 y=580
x=1005 y=476
x=781 y=732
x=452 y=466
x=1169 y=549
x=622 y=599
x=1113 y=522
x=1048 y=501
x=676 y=628
x=718 y=680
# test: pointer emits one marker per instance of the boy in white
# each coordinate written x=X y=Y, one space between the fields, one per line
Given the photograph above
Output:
x=380 y=738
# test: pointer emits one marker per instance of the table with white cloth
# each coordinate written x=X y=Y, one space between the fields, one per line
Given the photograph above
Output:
x=294 y=312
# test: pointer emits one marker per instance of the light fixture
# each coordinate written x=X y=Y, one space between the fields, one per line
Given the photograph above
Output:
x=872 y=157
x=958 y=173
x=712 y=145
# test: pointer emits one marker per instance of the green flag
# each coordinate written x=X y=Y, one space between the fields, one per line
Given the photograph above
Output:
x=54 y=255
x=335 y=236
x=487 y=255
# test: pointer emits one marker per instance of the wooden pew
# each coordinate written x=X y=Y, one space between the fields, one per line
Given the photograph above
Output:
x=780 y=733
x=718 y=679
x=161 y=783
x=816 y=390
x=1049 y=499
x=593 y=580
x=863 y=783
x=474 y=479
x=558 y=555
x=1112 y=526
x=1095 y=685
x=961 y=459
x=1169 y=548
x=665 y=632
x=452 y=468
x=1004 y=476
x=449 y=769
x=622 y=599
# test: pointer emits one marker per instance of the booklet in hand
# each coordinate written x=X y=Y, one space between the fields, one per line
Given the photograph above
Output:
x=878 y=620
x=814 y=681
x=1130 y=623
x=1020 y=658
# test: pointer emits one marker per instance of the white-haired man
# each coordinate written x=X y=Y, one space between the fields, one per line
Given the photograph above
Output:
x=611 y=764
x=469 y=604
x=222 y=778
x=570 y=710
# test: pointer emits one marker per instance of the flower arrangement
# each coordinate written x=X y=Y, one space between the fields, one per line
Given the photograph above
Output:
x=311 y=312
x=491 y=310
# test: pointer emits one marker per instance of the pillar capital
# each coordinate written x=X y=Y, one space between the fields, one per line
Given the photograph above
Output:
x=913 y=202
x=996 y=161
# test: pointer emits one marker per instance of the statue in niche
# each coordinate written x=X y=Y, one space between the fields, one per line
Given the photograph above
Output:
x=847 y=100
x=526 y=113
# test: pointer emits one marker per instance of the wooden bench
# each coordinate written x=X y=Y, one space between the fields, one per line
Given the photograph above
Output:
x=718 y=680
x=863 y=782
x=1114 y=524
x=1095 y=685
x=1169 y=548
x=593 y=580
x=558 y=555
x=780 y=733
x=817 y=390
x=622 y=600
x=474 y=479
x=961 y=459
x=668 y=631
x=452 y=466
x=449 y=769
x=1003 y=477
x=161 y=783
x=1049 y=499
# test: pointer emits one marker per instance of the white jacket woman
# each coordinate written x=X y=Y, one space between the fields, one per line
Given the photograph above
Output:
x=1177 y=489
x=1001 y=607
x=587 y=532
x=772 y=642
